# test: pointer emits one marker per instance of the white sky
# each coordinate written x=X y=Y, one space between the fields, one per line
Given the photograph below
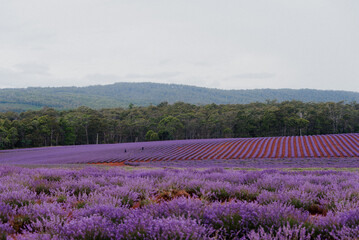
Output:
x=231 y=44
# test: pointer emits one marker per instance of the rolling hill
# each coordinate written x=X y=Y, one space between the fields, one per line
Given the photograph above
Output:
x=298 y=147
x=144 y=94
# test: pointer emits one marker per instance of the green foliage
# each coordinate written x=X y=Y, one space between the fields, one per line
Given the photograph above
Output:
x=170 y=128
x=51 y=178
x=127 y=201
x=221 y=194
x=82 y=190
x=152 y=136
x=19 y=222
x=61 y=199
x=245 y=195
x=17 y=203
x=3 y=236
x=48 y=127
x=80 y=204
x=41 y=188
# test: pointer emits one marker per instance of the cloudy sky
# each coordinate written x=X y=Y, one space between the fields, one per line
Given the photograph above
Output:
x=232 y=44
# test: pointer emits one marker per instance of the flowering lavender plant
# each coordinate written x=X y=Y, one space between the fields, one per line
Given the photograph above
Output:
x=188 y=203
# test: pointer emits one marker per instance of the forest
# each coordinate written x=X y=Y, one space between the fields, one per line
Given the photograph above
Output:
x=83 y=125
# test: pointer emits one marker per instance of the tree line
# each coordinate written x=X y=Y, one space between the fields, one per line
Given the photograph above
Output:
x=49 y=127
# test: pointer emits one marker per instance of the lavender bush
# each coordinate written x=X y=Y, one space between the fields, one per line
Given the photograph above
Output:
x=214 y=203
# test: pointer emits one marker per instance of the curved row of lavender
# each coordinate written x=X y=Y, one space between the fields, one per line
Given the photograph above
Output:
x=94 y=203
x=257 y=163
x=321 y=146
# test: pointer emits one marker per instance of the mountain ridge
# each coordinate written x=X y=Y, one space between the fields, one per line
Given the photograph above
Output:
x=122 y=94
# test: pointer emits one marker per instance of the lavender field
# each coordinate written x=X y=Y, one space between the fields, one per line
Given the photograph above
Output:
x=261 y=188
x=294 y=149
x=115 y=203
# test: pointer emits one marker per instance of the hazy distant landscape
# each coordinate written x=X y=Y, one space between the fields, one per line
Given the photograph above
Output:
x=145 y=94
x=184 y=120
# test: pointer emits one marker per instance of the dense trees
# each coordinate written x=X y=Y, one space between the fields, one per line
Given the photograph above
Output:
x=48 y=127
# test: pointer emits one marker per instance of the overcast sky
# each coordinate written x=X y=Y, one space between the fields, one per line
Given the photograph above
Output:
x=229 y=44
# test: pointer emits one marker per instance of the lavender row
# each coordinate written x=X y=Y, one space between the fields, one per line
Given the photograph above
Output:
x=255 y=163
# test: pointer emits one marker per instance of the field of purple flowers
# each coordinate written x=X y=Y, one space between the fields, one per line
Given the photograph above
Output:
x=118 y=203
x=293 y=149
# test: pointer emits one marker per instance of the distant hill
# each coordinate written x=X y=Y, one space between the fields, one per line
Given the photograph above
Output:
x=144 y=94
